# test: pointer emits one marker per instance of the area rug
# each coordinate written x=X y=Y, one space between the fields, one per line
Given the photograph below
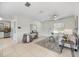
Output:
x=49 y=44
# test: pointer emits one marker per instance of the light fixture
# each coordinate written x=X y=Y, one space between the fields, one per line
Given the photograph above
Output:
x=27 y=4
x=0 y=18
x=54 y=17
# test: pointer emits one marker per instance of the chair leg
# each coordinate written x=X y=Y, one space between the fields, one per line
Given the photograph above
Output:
x=62 y=46
x=72 y=50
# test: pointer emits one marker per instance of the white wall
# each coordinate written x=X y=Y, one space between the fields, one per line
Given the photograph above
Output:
x=39 y=27
x=78 y=25
x=24 y=23
x=48 y=26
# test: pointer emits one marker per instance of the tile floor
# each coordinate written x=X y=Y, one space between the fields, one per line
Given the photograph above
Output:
x=29 y=50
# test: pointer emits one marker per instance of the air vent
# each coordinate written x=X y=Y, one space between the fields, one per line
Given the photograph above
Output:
x=27 y=4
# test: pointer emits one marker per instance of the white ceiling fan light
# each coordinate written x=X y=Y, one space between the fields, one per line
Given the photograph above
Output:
x=54 y=17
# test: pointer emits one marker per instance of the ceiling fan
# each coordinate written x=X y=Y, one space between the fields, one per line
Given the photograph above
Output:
x=54 y=16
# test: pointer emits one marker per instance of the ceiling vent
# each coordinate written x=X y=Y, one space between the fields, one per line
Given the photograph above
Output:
x=27 y=4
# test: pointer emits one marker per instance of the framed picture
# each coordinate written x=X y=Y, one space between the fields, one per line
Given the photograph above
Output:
x=1 y=27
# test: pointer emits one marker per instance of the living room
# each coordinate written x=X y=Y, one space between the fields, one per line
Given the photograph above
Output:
x=39 y=29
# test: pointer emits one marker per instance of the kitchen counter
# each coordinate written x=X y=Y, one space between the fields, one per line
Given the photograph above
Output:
x=1 y=34
x=1 y=49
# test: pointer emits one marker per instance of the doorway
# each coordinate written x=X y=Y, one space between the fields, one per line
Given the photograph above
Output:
x=5 y=29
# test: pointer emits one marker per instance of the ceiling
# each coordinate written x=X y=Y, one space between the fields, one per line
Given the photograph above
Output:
x=38 y=10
